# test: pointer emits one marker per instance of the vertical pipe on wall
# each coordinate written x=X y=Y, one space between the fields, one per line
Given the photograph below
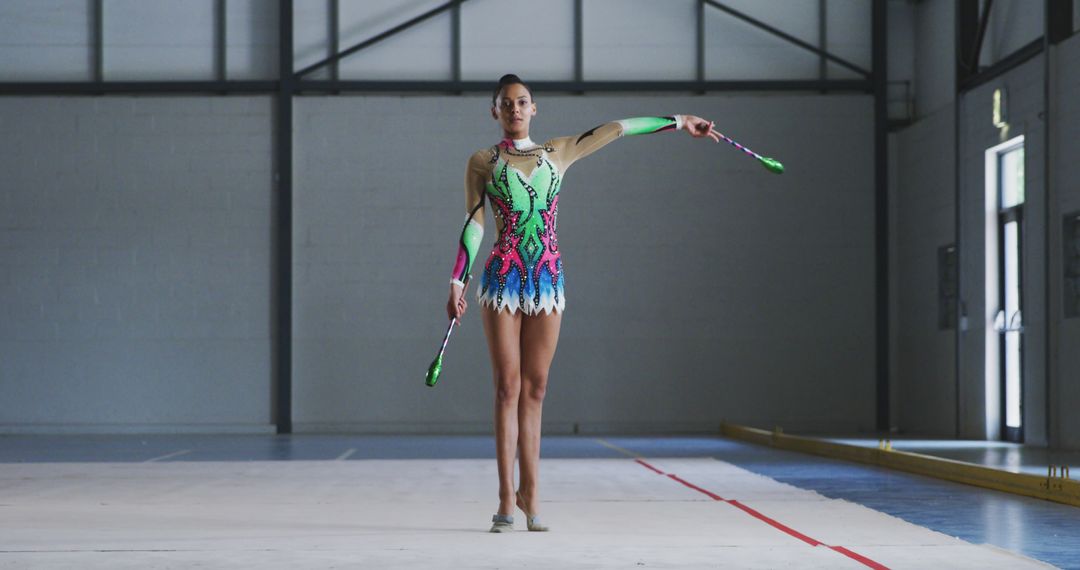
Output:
x=97 y=33
x=334 y=35
x=283 y=176
x=455 y=43
x=219 y=40
x=881 y=213
x=823 y=70
x=700 y=42
x=579 y=47
x=1048 y=36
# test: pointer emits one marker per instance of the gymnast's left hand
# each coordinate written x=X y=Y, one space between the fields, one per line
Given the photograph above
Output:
x=698 y=127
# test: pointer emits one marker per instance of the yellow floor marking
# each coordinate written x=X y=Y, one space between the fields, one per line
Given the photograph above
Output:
x=621 y=450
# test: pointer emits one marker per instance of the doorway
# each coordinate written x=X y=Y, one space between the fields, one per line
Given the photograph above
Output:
x=1005 y=262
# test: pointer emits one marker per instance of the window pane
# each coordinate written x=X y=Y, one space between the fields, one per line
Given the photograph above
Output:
x=1012 y=269
x=1012 y=319
x=486 y=54
x=420 y=52
x=1012 y=177
x=1012 y=379
x=158 y=40
x=639 y=39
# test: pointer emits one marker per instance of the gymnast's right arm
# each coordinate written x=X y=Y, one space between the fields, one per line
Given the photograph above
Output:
x=471 y=235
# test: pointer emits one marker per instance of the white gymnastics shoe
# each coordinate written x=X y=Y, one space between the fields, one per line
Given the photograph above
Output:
x=531 y=521
x=502 y=523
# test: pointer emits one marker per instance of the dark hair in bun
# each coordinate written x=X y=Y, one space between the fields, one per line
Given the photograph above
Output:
x=508 y=79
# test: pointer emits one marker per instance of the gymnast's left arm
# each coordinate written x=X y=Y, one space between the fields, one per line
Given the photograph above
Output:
x=577 y=147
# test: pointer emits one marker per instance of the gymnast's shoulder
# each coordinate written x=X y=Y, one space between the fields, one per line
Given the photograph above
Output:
x=480 y=160
x=482 y=156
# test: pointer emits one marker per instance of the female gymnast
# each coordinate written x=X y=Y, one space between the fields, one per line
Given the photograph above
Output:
x=521 y=288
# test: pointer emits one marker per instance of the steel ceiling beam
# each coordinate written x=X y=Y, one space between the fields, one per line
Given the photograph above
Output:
x=856 y=85
x=1012 y=61
x=134 y=87
x=330 y=86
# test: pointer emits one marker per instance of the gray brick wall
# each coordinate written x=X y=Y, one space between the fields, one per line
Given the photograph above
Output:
x=134 y=254
x=699 y=286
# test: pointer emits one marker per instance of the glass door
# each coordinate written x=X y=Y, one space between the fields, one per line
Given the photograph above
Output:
x=1010 y=321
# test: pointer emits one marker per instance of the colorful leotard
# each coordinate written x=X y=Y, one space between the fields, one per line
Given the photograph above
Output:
x=521 y=181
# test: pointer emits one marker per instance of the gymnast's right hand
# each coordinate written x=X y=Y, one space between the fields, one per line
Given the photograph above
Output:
x=456 y=305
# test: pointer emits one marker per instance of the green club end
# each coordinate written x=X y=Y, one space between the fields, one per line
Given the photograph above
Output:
x=772 y=165
x=433 y=371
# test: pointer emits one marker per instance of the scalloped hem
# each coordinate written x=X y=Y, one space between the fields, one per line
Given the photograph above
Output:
x=513 y=305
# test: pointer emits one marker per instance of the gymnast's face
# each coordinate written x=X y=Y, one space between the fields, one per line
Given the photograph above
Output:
x=514 y=109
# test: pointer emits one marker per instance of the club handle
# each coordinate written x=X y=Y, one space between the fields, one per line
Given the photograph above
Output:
x=453 y=320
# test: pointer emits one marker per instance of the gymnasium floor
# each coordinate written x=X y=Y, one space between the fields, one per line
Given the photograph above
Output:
x=328 y=501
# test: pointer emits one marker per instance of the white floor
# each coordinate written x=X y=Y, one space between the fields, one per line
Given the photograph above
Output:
x=605 y=513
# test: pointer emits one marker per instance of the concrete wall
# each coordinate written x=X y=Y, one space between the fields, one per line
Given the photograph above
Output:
x=1066 y=391
x=134 y=264
x=923 y=218
x=135 y=240
x=699 y=286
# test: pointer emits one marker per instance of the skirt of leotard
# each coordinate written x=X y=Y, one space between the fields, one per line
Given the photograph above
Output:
x=503 y=286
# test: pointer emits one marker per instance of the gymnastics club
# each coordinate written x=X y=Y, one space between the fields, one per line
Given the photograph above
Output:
x=436 y=365
x=771 y=164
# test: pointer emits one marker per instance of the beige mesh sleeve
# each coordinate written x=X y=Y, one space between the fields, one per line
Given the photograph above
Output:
x=571 y=149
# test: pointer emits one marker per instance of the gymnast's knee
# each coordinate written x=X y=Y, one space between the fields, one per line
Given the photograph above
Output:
x=533 y=388
x=507 y=389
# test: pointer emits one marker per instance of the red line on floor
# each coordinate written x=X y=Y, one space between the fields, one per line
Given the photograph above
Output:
x=649 y=466
x=859 y=557
x=775 y=524
x=695 y=487
x=769 y=521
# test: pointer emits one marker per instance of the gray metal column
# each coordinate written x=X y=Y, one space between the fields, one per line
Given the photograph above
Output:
x=881 y=212
x=282 y=345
